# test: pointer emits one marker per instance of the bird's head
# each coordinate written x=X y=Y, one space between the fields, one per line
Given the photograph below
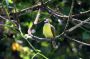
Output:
x=47 y=20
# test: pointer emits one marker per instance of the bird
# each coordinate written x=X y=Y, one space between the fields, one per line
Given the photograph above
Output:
x=49 y=32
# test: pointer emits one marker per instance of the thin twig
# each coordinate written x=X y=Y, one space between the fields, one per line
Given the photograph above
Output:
x=67 y=24
x=39 y=38
x=75 y=21
x=3 y=18
x=78 y=25
x=26 y=39
x=50 y=11
x=19 y=28
x=80 y=42
x=73 y=28
x=70 y=13
x=57 y=14
x=37 y=17
x=29 y=9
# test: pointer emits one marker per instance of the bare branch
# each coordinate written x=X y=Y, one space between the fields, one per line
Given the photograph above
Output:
x=39 y=38
x=28 y=10
x=3 y=18
x=78 y=25
x=57 y=14
x=37 y=17
x=73 y=28
x=80 y=42
x=70 y=15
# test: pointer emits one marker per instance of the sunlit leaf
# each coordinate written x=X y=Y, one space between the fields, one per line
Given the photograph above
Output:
x=15 y=10
x=44 y=44
x=10 y=1
x=30 y=24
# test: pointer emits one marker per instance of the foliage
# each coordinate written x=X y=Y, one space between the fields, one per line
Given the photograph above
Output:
x=21 y=29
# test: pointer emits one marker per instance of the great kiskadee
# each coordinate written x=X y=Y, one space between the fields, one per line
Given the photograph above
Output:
x=49 y=32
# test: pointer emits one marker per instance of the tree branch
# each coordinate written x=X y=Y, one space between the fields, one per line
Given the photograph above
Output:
x=78 y=25
x=3 y=18
x=80 y=42
x=29 y=9
x=57 y=14
x=70 y=15
x=39 y=38
x=73 y=28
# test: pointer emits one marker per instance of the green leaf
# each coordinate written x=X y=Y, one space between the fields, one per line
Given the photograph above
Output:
x=44 y=44
x=30 y=24
x=86 y=36
x=10 y=1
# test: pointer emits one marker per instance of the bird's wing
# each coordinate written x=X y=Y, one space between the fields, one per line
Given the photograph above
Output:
x=53 y=30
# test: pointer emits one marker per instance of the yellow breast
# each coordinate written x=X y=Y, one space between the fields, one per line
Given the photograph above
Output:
x=47 y=32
